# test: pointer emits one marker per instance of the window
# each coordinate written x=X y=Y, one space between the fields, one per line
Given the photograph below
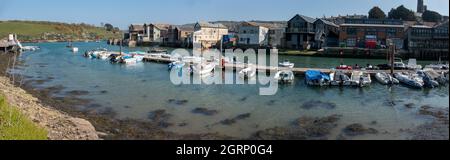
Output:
x=391 y=32
x=351 y=42
x=351 y=31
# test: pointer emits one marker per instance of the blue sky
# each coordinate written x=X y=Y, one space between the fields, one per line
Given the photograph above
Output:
x=123 y=12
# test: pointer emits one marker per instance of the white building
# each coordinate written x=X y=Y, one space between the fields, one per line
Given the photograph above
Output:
x=251 y=33
x=208 y=34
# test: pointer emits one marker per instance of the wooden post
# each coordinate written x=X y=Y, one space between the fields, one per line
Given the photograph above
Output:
x=392 y=56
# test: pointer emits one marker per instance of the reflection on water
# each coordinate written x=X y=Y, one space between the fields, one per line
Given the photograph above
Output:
x=134 y=91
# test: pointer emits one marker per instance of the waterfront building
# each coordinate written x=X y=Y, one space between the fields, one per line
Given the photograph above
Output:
x=299 y=32
x=185 y=36
x=208 y=35
x=425 y=42
x=371 y=33
x=253 y=34
x=276 y=37
x=136 y=32
x=326 y=34
x=172 y=35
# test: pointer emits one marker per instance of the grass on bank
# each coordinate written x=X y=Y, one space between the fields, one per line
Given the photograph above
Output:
x=34 y=30
x=15 y=126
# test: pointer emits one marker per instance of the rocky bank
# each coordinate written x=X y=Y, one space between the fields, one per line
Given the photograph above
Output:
x=60 y=126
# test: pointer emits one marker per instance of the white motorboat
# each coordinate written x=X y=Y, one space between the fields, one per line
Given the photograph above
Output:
x=248 y=72
x=192 y=59
x=437 y=66
x=399 y=65
x=338 y=78
x=103 y=55
x=386 y=79
x=358 y=78
x=284 y=76
x=412 y=80
x=74 y=49
x=30 y=48
x=286 y=63
x=412 y=65
x=203 y=68
x=128 y=60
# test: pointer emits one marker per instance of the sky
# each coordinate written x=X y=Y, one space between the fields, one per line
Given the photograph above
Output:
x=121 y=13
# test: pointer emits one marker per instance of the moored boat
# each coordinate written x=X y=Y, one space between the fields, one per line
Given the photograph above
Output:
x=286 y=63
x=203 y=68
x=338 y=78
x=284 y=76
x=428 y=80
x=412 y=80
x=385 y=78
x=30 y=48
x=358 y=78
x=344 y=67
x=74 y=49
x=248 y=72
x=176 y=65
x=412 y=65
x=317 y=78
x=128 y=59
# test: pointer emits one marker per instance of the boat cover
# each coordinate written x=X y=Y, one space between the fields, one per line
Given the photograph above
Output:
x=316 y=75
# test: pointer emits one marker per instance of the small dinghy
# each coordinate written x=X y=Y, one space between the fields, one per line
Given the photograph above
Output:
x=202 y=69
x=284 y=76
x=247 y=73
x=317 y=78
x=386 y=79
x=286 y=63
x=412 y=80
x=338 y=78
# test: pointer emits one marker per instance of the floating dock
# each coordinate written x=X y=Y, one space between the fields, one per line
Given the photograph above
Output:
x=239 y=66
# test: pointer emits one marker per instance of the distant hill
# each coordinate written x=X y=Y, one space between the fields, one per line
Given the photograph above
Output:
x=234 y=25
x=29 y=31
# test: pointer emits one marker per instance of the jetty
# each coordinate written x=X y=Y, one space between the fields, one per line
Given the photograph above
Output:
x=298 y=71
x=10 y=44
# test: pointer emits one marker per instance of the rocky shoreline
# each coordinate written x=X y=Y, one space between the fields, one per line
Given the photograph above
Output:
x=60 y=126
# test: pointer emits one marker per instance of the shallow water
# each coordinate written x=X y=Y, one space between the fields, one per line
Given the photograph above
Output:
x=134 y=91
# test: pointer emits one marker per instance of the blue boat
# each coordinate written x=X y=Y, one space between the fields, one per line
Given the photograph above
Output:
x=317 y=78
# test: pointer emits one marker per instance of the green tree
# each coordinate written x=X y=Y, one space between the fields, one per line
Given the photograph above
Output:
x=403 y=13
x=431 y=16
x=377 y=13
x=109 y=27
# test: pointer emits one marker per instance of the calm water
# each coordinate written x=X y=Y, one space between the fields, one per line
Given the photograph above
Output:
x=134 y=91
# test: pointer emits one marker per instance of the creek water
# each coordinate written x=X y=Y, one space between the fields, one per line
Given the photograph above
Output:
x=135 y=91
